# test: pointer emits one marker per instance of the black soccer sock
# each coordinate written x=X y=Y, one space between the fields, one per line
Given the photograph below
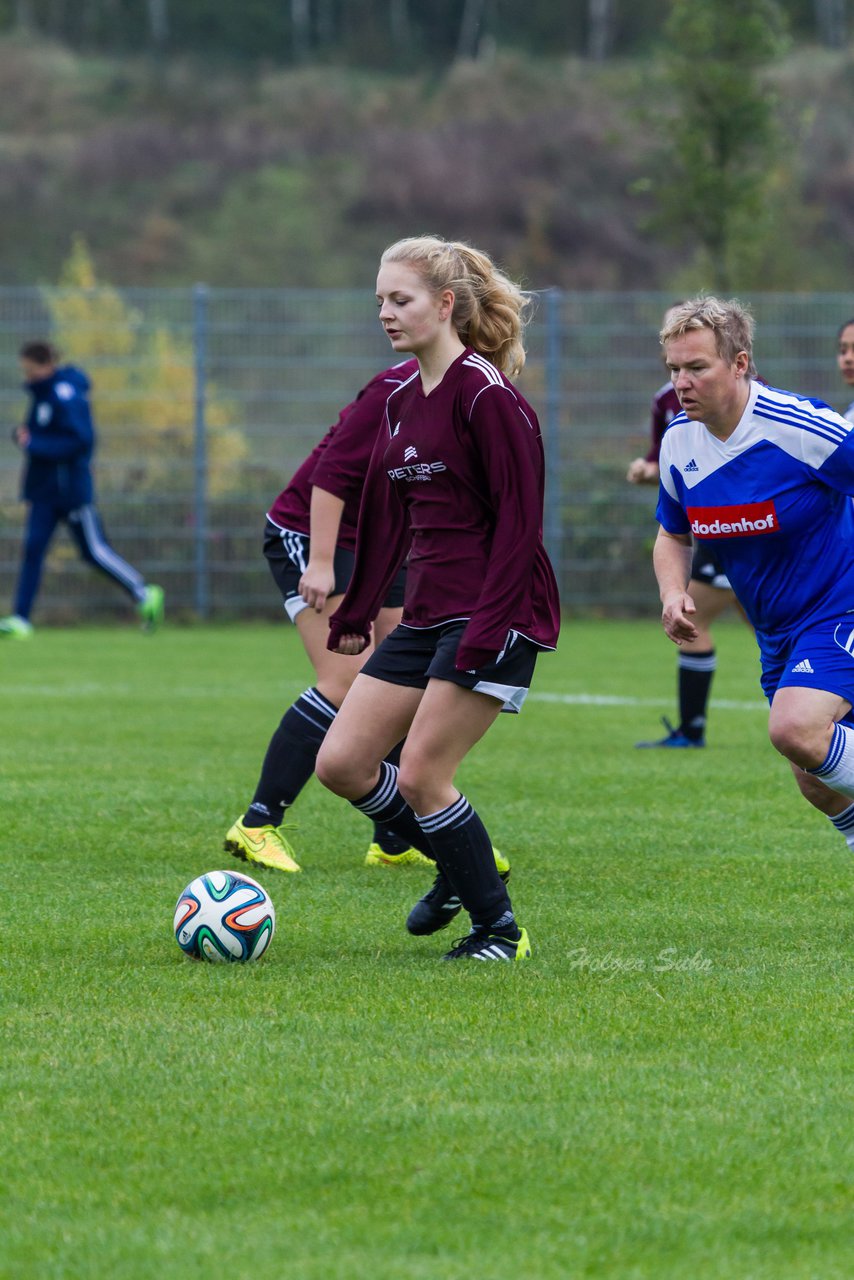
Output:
x=387 y=807
x=386 y=839
x=696 y=672
x=290 y=758
x=463 y=850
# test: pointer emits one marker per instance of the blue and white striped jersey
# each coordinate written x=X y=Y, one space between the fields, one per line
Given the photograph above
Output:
x=773 y=502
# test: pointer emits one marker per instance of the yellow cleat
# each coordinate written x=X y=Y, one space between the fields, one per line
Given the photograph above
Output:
x=502 y=864
x=262 y=846
x=377 y=857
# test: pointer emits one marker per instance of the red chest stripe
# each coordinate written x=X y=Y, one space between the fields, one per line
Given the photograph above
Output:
x=744 y=521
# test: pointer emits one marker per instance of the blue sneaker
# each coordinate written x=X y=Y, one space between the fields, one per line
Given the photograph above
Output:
x=674 y=738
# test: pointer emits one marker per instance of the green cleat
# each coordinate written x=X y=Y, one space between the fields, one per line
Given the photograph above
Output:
x=377 y=857
x=151 y=608
x=480 y=944
x=262 y=846
x=15 y=627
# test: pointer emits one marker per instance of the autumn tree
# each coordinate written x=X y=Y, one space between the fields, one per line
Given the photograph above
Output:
x=144 y=388
x=722 y=142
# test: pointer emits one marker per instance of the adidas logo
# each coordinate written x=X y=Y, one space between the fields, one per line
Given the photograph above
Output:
x=691 y=466
x=409 y=452
x=806 y=667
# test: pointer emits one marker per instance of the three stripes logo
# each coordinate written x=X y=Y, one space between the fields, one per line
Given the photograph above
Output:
x=804 y=668
x=691 y=466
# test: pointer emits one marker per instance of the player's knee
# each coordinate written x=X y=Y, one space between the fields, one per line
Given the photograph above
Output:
x=341 y=770
x=415 y=783
x=804 y=744
x=332 y=768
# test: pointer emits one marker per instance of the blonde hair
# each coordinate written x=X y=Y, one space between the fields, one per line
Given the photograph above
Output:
x=729 y=320
x=490 y=310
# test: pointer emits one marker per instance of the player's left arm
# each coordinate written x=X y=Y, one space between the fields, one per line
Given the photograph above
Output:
x=510 y=447
x=837 y=468
x=382 y=541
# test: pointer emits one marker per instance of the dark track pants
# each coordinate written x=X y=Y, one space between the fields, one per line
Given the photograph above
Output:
x=84 y=525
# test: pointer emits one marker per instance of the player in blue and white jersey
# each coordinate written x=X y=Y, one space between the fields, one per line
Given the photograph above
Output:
x=708 y=588
x=845 y=359
x=765 y=477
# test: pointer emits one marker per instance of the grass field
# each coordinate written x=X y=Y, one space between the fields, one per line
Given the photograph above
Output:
x=664 y=1091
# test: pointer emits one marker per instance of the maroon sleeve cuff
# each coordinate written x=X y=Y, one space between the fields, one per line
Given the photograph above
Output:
x=339 y=627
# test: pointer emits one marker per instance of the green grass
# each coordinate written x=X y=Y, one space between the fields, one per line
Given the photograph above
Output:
x=662 y=1092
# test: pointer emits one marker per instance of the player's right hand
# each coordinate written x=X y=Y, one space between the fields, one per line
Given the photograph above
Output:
x=316 y=585
x=351 y=646
x=676 y=619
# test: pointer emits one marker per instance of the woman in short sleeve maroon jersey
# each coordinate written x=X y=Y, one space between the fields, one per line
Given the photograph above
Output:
x=456 y=479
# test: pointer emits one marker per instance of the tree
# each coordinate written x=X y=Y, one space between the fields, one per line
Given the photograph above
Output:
x=830 y=18
x=470 y=28
x=158 y=22
x=600 y=28
x=143 y=386
x=722 y=142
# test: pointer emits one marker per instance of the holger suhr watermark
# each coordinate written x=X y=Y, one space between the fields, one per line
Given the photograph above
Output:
x=667 y=960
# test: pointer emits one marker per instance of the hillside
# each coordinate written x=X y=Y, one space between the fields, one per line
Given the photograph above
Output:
x=174 y=172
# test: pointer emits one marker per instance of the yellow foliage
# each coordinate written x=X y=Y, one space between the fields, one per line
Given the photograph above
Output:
x=144 y=390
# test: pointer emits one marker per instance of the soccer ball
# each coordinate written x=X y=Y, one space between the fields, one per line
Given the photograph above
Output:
x=224 y=916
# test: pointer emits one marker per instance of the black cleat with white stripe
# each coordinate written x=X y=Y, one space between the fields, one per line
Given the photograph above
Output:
x=439 y=906
x=480 y=944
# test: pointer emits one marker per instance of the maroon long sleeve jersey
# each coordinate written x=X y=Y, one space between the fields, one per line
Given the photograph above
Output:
x=457 y=477
x=664 y=408
x=339 y=462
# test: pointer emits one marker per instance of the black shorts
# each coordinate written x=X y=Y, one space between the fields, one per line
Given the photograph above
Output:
x=705 y=567
x=287 y=555
x=411 y=656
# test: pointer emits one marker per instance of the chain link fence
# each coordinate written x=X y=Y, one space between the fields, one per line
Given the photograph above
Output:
x=206 y=400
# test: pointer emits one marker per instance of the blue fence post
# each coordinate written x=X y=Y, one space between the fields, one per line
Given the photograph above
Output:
x=200 y=457
x=553 y=505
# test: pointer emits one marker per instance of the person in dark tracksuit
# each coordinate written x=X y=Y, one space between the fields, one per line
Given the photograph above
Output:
x=58 y=440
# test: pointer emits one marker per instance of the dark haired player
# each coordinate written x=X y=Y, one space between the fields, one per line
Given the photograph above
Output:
x=58 y=440
x=845 y=359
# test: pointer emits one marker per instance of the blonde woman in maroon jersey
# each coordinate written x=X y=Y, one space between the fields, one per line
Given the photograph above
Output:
x=457 y=478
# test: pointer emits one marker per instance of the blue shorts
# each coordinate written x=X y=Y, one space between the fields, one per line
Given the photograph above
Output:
x=821 y=658
x=413 y=655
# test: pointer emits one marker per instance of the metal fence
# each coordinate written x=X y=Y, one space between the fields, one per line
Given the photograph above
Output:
x=208 y=399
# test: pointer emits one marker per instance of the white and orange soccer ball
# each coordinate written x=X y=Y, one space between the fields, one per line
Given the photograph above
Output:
x=224 y=916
